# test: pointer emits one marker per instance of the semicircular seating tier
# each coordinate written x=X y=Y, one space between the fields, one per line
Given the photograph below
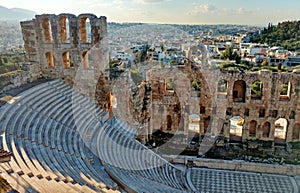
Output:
x=61 y=142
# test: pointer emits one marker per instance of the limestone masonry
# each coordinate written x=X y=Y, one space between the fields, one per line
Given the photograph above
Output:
x=59 y=46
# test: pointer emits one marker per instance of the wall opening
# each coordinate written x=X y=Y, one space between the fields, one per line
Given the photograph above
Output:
x=46 y=25
x=202 y=110
x=49 y=60
x=246 y=112
x=66 y=59
x=292 y=115
x=239 y=91
x=85 y=59
x=280 y=130
x=256 y=90
x=222 y=86
x=285 y=89
x=236 y=128
x=266 y=130
x=296 y=131
x=64 y=30
x=194 y=123
x=261 y=113
x=252 y=128
x=85 y=30
x=196 y=87
x=206 y=123
x=169 y=84
x=169 y=122
x=274 y=114
x=229 y=111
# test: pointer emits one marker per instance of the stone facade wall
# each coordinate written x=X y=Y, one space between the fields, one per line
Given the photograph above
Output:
x=216 y=108
x=69 y=47
x=59 y=46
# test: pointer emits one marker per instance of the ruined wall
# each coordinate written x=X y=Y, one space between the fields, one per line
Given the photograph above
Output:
x=216 y=107
x=73 y=48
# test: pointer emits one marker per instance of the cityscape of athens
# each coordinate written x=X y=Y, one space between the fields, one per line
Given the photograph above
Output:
x=149 y=96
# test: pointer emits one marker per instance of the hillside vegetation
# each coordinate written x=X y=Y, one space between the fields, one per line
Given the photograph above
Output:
x=285 y=34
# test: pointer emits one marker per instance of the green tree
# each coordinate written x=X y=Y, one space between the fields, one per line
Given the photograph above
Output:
x=229 y=54
x=196 y=84
x=256 y=88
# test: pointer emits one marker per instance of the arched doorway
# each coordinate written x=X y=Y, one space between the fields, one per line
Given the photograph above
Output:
x=194 y=123
x=252 y=128
x=266 y=130
x=280 y=130
x=296 y=131
x=236 y=128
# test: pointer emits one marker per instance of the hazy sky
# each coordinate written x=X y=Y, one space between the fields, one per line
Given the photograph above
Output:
x=171 y=11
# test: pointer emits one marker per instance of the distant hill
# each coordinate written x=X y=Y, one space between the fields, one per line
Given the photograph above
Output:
x=286 y=34
x=15 y=14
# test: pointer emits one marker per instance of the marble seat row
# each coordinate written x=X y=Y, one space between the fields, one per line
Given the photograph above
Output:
x=40 y=143
x=61 y=138
x=117 y=150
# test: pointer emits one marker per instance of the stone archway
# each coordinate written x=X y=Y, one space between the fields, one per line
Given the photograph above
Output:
x=252 y=128
x=47 y=31
x=280 y=130
x=266 y=130
x=64 y=29
x=194 y=123
x=236 y=128
x=296 y=131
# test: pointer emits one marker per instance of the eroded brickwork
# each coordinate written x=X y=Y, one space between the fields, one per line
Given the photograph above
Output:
x=73 y=48
x=216 y=105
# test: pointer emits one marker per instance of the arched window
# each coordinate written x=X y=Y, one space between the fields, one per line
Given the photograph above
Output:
x=239 y=91
x=222 y=86
x=256 y=90
x=85 y=30
x=49 y=60
x=280 y=129
x=64 y=25
x=66 y=59
x=296 y=131
x=46 y=25
x=266 y=130
x=252 y=128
